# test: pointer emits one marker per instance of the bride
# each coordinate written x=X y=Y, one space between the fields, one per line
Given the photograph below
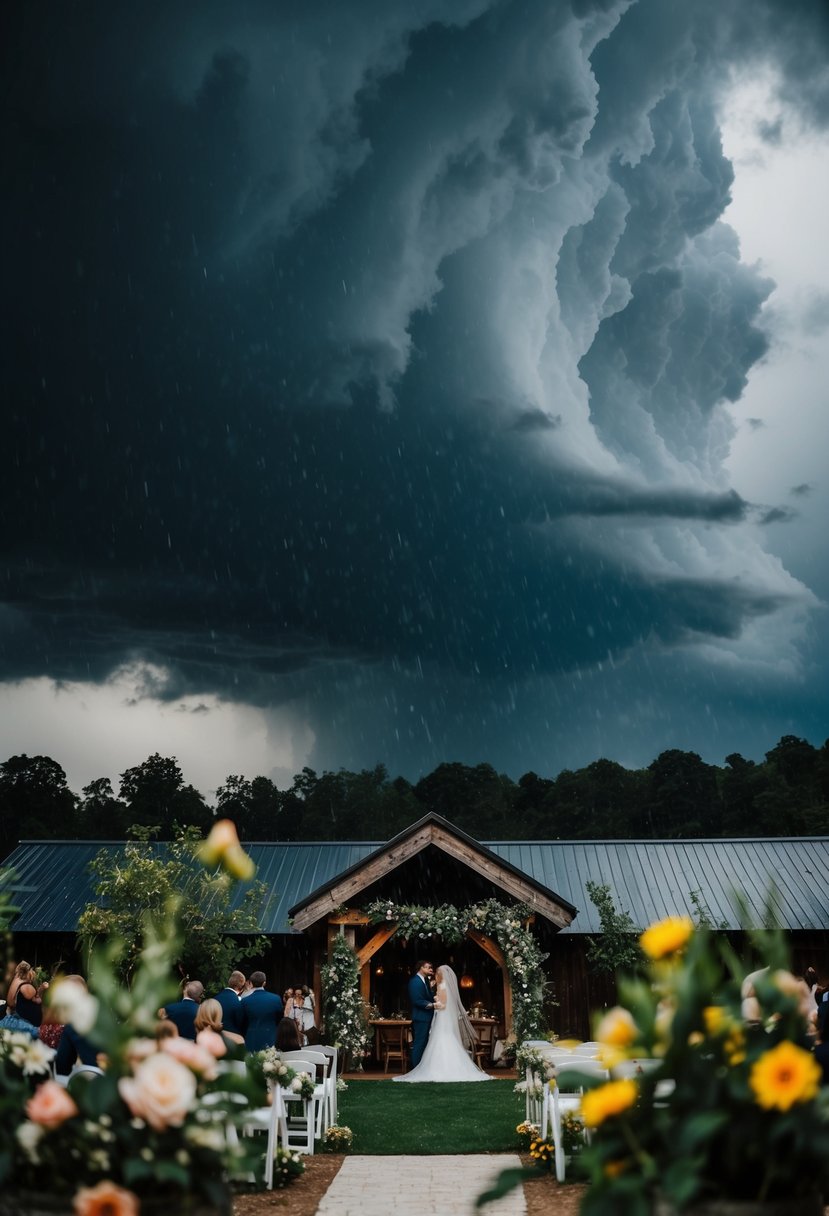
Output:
x=445 y=1057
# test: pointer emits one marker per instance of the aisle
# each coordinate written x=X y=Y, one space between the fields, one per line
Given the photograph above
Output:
x=419 y=1186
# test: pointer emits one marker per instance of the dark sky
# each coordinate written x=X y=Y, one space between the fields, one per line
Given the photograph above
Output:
x=376 y=367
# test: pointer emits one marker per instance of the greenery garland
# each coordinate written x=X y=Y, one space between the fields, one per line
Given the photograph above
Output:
x=344 y=1015
x=505 y=924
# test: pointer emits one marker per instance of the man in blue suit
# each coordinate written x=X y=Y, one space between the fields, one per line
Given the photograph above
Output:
x=263 y=1011
x=233 y=1011
x=183 y=1012
x=422 y=1001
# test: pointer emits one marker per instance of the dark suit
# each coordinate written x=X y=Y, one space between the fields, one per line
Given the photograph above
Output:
x=421 y=1000
x=71 y=1048
x=263 y=1010
x=183 y=1013
x=233 y=1010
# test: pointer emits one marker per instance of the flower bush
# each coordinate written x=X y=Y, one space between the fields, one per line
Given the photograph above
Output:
x=449 y=924
x=339 y=1139
x=287 y=1167
x=718 y=1107
x=155 y=1129
x=345 y=1020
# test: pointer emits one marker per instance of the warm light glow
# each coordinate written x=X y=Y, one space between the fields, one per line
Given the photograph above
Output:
x=467 y=981
x=379 y=970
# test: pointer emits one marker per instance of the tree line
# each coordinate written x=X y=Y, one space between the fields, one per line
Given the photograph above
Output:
x=677 y=796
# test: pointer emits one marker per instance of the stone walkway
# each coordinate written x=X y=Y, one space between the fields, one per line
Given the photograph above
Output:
x=420 y=1186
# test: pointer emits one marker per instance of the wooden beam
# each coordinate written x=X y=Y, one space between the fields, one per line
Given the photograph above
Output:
x=502 y=877
x=351 y=916
x=343 y=892
x=495 y=952
x=367 y=952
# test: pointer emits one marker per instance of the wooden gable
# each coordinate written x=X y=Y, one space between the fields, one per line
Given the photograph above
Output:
x=432 y=831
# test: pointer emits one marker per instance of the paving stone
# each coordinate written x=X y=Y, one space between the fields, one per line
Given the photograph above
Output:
x=419 y=1186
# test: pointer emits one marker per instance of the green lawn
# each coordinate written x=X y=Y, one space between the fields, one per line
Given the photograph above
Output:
x=428 y=1118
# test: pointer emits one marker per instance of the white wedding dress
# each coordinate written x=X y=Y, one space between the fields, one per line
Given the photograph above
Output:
x=445 y=1057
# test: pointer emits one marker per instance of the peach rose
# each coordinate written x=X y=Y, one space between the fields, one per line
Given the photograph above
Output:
x=161 y=1092
x=105 y=1199
x=50 y=1105
x=194 y=1056
x=212 y=1042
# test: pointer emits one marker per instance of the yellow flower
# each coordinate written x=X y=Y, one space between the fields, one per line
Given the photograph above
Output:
x=614 y=1168
x=222 y=848
x=608 y=1100
x=617 y=1028
x=716 y=1020
x=666 y=936
x=783 y=1076
x=105 y=1199
x=695 y=1038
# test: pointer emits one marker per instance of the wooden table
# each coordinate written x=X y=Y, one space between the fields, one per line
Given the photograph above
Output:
x=379 y=1023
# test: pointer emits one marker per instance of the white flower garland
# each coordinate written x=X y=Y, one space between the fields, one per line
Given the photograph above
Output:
x=345 y=1023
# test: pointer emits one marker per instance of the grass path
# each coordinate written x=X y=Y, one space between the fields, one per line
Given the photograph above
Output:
x=429 y=1118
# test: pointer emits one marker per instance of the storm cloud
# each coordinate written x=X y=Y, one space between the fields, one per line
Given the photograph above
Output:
x=387 y=356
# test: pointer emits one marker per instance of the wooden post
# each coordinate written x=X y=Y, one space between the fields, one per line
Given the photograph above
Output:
x=495 y=952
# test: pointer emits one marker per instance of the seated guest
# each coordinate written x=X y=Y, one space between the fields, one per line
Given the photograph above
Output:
x=165 y=1029
x=287 y=1035
x=209 y=1017
x=183 y=1012
x=230 y=999
x=24 y=1001
x=263 y=1011
x=74 y=1047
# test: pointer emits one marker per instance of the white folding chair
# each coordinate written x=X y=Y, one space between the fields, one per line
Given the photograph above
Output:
x=636 y=1068
x=273 y=1120
x=331 y=1080
x=319 y=1059
x=591 y=1050
x=557 y=1103
x=302 y=1128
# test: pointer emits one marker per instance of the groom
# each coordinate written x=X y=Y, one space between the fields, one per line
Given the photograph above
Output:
x=422 y=1001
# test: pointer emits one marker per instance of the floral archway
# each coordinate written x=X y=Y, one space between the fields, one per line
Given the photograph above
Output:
x=508 y=926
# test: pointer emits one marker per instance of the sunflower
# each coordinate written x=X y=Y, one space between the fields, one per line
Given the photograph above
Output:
x=667 y=936
x=783 y=1076
x=608 y=1100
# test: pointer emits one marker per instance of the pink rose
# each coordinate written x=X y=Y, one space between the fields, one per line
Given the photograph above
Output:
x=50 y=1105
x=161 y=1092
x=190 y=1053
x=212 y=1042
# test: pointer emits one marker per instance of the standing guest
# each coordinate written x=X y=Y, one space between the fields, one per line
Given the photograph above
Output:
x=230 y=999
x=165 y=1029
x=307 y=1019
x=288 y=1001
x=183 y=1012
x=263 y=1011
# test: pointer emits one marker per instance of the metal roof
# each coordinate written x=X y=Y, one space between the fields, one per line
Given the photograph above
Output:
x=648 y=878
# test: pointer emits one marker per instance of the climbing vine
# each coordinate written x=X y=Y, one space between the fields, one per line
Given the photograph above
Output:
x=506 y=925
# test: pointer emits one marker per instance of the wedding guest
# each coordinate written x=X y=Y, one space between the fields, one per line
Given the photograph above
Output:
x=74 y=1047
x=183 y=1012
x=230 y=999
x=209 y=1017
x=165 y=1029
x=263 y=1011
x=287 y=1035
x=307 y=1016
x=24 y=1001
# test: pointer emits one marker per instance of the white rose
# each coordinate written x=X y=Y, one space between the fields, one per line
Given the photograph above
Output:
x=37 y=1059
x=28 y=1137
x=161 y=1091
x=71 y=1002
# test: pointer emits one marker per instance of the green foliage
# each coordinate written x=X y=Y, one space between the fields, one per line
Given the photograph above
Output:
x=138 y=884
x=727 y=1109
x=677 y=796
x=343 y=1013
x=505 y=924
x=114 y=1127
x=617 y=949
